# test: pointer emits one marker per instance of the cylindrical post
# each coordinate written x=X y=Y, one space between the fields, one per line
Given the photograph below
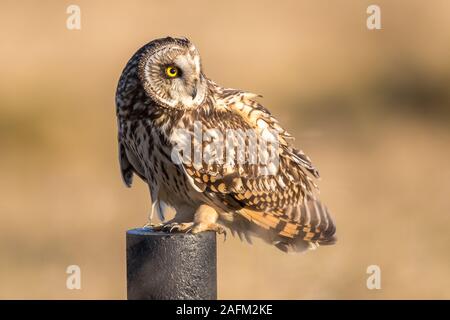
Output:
x=166 y=266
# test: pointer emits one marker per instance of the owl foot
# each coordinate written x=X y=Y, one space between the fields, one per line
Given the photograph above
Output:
x=205 y=219
x=189 y=227
x=200 y=227
x=177 y=227
x=153 y=226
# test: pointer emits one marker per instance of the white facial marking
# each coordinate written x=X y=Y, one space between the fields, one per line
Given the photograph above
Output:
x=197 y=64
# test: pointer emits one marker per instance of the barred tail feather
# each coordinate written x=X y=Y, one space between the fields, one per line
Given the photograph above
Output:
x=300 y=227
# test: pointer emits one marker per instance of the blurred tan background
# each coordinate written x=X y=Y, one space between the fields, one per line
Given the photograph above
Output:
x=371 y=108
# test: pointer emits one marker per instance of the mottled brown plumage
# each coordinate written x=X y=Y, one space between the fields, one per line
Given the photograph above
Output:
x=276 y=203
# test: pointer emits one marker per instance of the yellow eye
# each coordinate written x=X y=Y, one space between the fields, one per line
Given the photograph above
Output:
x=171 y=71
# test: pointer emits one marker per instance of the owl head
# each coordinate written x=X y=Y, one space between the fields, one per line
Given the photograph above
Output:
x=169 y=70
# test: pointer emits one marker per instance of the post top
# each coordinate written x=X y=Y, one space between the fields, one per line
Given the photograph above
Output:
x=146 y=232
x=149 y=232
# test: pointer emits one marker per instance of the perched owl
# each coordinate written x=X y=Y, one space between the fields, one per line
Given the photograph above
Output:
x=169 y=113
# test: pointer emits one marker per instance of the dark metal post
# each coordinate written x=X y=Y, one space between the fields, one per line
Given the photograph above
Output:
x=166 y=266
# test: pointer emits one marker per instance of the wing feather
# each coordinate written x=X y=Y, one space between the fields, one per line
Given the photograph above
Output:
x=126 y=168
x=272 y=201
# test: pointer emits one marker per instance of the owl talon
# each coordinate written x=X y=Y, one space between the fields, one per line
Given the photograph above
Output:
x=222 y=230
x=153 y=226
x=177 y=227
x=209 y=227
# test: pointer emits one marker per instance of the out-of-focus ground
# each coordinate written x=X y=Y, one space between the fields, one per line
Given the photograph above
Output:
x=371 y=108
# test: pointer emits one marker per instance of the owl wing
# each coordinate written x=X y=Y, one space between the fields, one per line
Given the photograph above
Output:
x=128 y=163
x=284 y=202
x=126 y=168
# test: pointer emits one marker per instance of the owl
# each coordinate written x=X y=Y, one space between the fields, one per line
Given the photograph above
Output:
x=213 y=155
